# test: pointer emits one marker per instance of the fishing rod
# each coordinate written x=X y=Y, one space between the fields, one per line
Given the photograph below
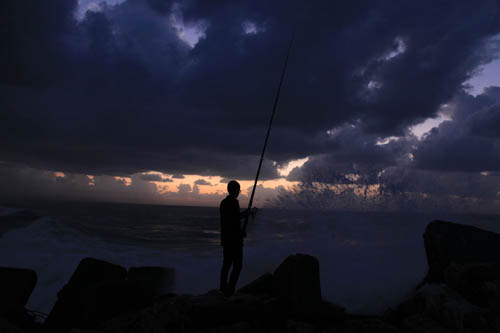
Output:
x=268 y=131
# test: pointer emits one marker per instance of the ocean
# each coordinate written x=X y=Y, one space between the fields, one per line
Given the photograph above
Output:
x=368 y=261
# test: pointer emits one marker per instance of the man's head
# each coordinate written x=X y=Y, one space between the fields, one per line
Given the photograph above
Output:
x=233 y=187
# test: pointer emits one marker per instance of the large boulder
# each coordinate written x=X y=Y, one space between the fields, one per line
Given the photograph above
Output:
x=441 y=308
x=422 y=323
x=16 y=286
x=108 y=299
x=210 y=312
x=7 y=327
x=169 y=314
x=152 y=280
x=262 y=286
x=367 y=324
x=478 y=283
x=72 y=307
x=297 y=282
x=213 y=309
x=447 y=242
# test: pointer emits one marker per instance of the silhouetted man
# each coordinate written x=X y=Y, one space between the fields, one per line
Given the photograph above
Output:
x=231 y=238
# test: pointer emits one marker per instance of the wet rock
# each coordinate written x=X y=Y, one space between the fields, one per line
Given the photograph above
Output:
x=73 y=308
x=447 y=242
x=264 y=285
x=297 y=282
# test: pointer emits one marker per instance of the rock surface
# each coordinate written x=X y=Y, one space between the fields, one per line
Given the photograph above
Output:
x=6 y=327
x=72 y=309
x=447 y=242
x=264 y=285
x=99 y=291
x=16 y=286
x=296 y=281
x=446 y=307
x=478 y=283
x=153 y=280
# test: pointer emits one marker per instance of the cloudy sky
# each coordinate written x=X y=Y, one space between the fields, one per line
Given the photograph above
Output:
x=159 y=101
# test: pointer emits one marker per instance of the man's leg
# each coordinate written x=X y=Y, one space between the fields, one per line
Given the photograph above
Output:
x=237 y=255
x=226 y=264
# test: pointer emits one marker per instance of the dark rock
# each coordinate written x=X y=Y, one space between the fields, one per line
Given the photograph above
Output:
x=263 y=285
x=20 y=318
x=16 y=286
x=213 y=309
x=447 y=242
x=170 y=314
x=297 y=282
x=368 y=325
x=242 y=327
x=421 y=323
x=153 y=281
x=299 y=327
x=478 y=283
x=6 y=327
x=328 y=314
x=73 y=299
x=445 y=306
x=109 y=299
x=211 y=312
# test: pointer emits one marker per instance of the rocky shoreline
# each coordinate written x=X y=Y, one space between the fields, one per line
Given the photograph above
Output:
x=461 y=293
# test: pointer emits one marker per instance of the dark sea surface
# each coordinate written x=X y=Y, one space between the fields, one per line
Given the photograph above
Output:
x=368 y=261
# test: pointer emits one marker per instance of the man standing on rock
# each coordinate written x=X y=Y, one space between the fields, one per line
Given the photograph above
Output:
x=231 y=238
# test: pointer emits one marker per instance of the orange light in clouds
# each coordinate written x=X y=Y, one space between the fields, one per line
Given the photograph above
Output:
x=125 y=180
x=215 y=187
x=59 y=174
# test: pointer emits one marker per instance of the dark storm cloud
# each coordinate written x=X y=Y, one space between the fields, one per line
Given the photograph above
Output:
x=120 y=93
x=153 y=177
x=468 y=143
x=355 y=153
x=177 y=176
x=202 y=182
